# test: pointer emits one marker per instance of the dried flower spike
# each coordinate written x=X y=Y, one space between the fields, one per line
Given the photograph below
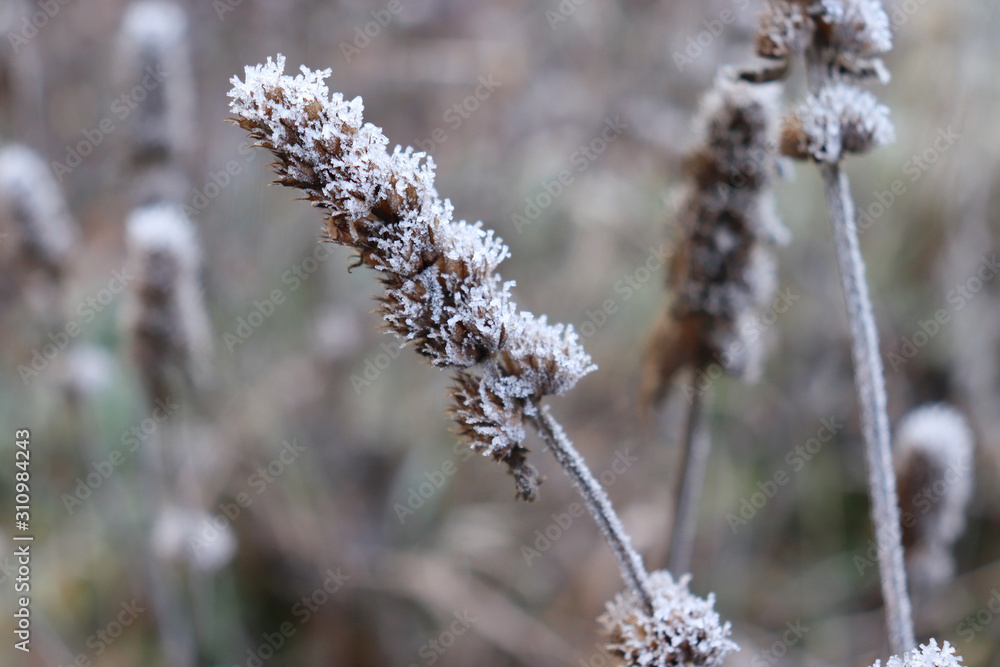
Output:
x=933 y=457
x=442 y=292
x=720 y=271
x=170 y=330
x=928 y=655
x=681 y=630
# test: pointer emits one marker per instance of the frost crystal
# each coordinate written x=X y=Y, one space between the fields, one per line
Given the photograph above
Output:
x=683 y=629
x=928 y=655
x=840 y=119
x=720 y=270
x=441 y=290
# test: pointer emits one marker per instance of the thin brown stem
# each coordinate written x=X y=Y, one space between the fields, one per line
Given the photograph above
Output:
x=694 y=462
x=597 y=501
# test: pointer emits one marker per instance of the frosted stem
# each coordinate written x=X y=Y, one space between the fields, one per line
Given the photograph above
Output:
x=869 y=380
x=693 y=464
x=629 y=561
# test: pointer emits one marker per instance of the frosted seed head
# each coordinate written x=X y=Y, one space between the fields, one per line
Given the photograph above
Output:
x=683 y=629
x=840 y=119
x=927 y=655
x=858 y=28
x=785 y=29
x=442 y=292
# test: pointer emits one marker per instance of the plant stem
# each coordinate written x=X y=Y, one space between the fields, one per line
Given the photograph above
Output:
x=693 y=464
x=629 y=561
x=869 y=379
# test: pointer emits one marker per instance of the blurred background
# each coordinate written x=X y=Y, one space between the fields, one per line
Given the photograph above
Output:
x=316 y=509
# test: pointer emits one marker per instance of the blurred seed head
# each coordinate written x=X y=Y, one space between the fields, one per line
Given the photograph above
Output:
x=169 y=327
x=192 y=536
x=38 y=230
x=683 y=629
x=933 y=460
x=785 y=29
x=88 y=371
x=720 y=270
x=155 y=59
x=840 y=119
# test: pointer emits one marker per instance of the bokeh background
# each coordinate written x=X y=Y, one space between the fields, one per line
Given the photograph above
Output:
x=367 y=425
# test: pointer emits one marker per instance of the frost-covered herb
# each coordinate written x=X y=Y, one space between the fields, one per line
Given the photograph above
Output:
x=442 y=292
x=682 y=629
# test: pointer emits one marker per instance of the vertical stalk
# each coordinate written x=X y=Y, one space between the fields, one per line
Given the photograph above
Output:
x=869 y=380
x=597 y=501
x=693 y=464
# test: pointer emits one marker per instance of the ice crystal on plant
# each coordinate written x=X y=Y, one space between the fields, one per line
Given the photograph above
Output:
x=442 y=292
x=927 y=655
x=683 y=629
